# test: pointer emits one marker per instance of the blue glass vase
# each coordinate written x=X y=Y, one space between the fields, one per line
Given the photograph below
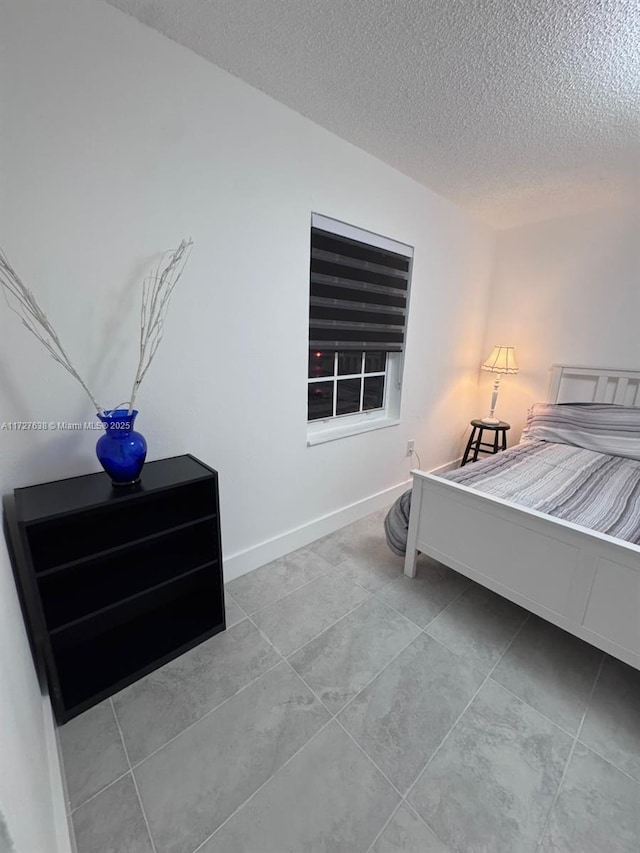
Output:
x=121 y=450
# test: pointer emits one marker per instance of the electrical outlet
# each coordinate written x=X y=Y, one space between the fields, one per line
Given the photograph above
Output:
x=411 y=445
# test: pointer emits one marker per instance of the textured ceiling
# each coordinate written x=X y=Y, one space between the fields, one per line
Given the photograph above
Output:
x=516 y=109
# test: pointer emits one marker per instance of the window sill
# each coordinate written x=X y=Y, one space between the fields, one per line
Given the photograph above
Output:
x=332 y=433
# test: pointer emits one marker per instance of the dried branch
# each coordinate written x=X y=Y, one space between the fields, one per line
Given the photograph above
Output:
x=23 y=303
x=156 y=293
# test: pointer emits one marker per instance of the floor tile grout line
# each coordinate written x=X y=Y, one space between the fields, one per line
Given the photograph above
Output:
x=391 y=607
x=439 y=613
x=334 y=569
x=118 y=778
x=286 y=661
x=235 y=601
x=368 y=757
x=607 y=760
x=570 y=756
x=266 y=782
x=378 y=674
x=453 y=652
x=473 y=665
x=335 y=715
x=464 y=710
x=353 y=698
x=386 y=824
x=371 y=596
x=590 y=697
x=324 y=574
x=445 y=607
x=333 y=624
x=308 y=686
x=340 y=710
x=311 y=690
x=547 y=819
x=315 y=636
x=144 y=813
x=195 y=722
x=364 y=687
x=385 y=584
x=486 y=678
x=282 y=660
x=450 y=604
x=426 y=823
x=423 y=630
x=133 y=777
x=331 y=568
x=97 y=794
x=605 y=656
x=243 y=614
x=332 y=718
x=569 y=734
x=540 y=714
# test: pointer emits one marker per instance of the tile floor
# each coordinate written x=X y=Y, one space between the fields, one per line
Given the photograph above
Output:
x=349 y=709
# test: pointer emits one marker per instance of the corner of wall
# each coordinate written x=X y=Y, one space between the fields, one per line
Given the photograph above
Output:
x=33 y=801
x=61 y=819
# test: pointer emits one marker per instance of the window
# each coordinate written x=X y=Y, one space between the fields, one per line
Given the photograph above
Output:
x=356 y=383
x=359 y=288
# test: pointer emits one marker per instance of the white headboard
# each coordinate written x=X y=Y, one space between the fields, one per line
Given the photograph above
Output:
x=574 y=384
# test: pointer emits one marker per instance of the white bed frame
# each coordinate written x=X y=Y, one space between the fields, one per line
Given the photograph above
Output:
x=583 y=581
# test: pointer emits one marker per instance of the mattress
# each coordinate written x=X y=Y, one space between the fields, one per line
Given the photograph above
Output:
x=592 y=489
x=595 y=490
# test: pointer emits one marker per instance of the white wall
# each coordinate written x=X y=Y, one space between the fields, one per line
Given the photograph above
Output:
x=120 y=143
x=33 y=810
x=564 y=291
x=117 y=144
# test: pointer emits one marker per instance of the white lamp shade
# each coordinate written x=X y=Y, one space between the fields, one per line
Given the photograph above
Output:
x=501 y=360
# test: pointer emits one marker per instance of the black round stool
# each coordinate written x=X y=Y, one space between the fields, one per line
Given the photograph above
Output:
x=477 y=445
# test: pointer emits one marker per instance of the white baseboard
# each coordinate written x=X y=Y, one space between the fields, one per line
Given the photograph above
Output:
x=252 y=558
x=448 y=466
x=245 y=561
x=57 y=784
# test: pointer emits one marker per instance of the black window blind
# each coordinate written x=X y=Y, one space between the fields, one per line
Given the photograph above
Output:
x=358 y=296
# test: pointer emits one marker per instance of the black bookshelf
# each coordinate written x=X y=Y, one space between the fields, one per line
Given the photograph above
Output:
x=115 y=582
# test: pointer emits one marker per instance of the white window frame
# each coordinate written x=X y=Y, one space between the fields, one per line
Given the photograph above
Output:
x=361 y=375
x=340 y=426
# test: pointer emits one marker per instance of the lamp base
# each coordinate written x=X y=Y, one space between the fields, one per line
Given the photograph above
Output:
x=492 y=421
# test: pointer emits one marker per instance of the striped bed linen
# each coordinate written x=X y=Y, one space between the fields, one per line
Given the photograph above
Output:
x=595 y=490
x=602 y=427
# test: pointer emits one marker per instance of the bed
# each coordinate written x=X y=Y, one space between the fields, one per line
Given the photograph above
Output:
x=583 y=580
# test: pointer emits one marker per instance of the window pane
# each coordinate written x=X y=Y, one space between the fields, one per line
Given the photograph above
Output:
x=373 y=392
x=375 y=362
x=320 y=400
x=348 y=396
x=349 y=362
x=320 y=364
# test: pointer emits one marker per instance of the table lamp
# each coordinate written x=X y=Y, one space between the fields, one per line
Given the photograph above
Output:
x=502 y=360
